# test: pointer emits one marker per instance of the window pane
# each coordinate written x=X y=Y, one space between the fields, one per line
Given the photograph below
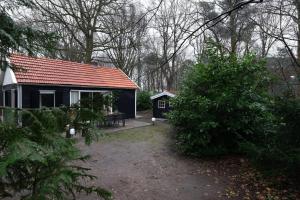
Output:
x=47 y=100
x=86 y=99
x=74 y=97
x=161 y=104
x=98 y=101
x=7 y=98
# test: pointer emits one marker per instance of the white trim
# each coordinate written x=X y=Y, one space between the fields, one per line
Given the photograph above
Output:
x=170 y=104
x=90 y=91
x=20 y=96
x=135 y=95
x=13 y=98
x=165 y=93
x=3 y=91
x=9 y=77
x=46 y=92
x=79 y=95
x=111 y=104
x=162 y=102
x=19 y=102
x=99 y=91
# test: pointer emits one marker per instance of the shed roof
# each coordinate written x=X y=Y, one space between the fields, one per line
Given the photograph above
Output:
x=46 y=71
x=164 y=93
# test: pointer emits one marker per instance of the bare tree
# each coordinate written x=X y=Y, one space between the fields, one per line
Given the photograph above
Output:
x=82 y=19
x=297 y=21
x=125 y=31
x=286 y=30
x=172 y=24
x=266 y=41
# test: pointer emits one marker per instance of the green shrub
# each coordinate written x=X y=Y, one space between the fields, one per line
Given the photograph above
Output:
x=222 y=104
x=38 y=162
x=143 y=101
x=281 y=153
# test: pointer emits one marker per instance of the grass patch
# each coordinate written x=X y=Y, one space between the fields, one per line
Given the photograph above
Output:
x=151 y=134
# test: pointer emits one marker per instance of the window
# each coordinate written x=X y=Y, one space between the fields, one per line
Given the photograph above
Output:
x=86 y=99
x=170 y=104
x=47 y=98
x=10 y=98
x=93 y=99
x=161 y=104
x=74 y=97
x=7 y=97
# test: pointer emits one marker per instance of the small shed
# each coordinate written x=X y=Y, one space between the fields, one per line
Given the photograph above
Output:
x=161 y=104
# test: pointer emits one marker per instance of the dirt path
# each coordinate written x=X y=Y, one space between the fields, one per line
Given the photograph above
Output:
x=138 y=164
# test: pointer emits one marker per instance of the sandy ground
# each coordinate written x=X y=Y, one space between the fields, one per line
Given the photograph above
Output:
x=139 y=164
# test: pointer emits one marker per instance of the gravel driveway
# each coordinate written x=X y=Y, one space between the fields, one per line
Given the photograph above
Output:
x=138 y=164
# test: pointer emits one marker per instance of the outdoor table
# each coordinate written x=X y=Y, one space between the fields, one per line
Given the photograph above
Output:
x=114 y=119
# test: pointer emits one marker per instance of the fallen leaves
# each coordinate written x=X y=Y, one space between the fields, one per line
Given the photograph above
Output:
x=246 y=183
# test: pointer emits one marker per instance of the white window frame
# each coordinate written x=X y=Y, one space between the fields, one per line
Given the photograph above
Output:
x=79 y=96
x=46 y=92
x=161 y=104
x=170 y=103
x=12 y=98
x=91 y=91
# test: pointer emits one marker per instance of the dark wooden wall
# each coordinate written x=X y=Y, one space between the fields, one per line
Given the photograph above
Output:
x=125 y=101
x=160 y=112
x=30 y=97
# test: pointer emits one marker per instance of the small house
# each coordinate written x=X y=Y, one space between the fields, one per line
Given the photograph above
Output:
x=30 y=82
x=161 y=104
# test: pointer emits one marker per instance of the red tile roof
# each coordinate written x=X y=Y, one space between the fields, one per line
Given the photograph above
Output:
x=58 y=72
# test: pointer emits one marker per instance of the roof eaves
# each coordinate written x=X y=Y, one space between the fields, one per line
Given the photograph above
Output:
x=137 y=87
x=162 y=94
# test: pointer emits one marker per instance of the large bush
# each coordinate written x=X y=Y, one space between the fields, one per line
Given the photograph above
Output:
x=222 y=104
x=281 y=153
x=144 y=101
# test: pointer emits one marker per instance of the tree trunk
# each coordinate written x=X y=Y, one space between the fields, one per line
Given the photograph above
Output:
x=139 y=69
x=263 y=45
x=148 y=82
x=297 y=2
x=233 y=34
x=89 y=47
x=170 y=82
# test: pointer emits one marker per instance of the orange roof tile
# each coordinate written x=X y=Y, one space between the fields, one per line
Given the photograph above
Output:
x=58 y=72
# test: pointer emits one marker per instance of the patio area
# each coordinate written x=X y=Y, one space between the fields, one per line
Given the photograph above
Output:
x=129 y=124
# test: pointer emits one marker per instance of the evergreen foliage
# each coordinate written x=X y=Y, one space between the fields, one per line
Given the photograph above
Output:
x=16 y=36
x=280 y=154
x=223 y=103
x=143 y=101
x=224 y=107
x=38 y=162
